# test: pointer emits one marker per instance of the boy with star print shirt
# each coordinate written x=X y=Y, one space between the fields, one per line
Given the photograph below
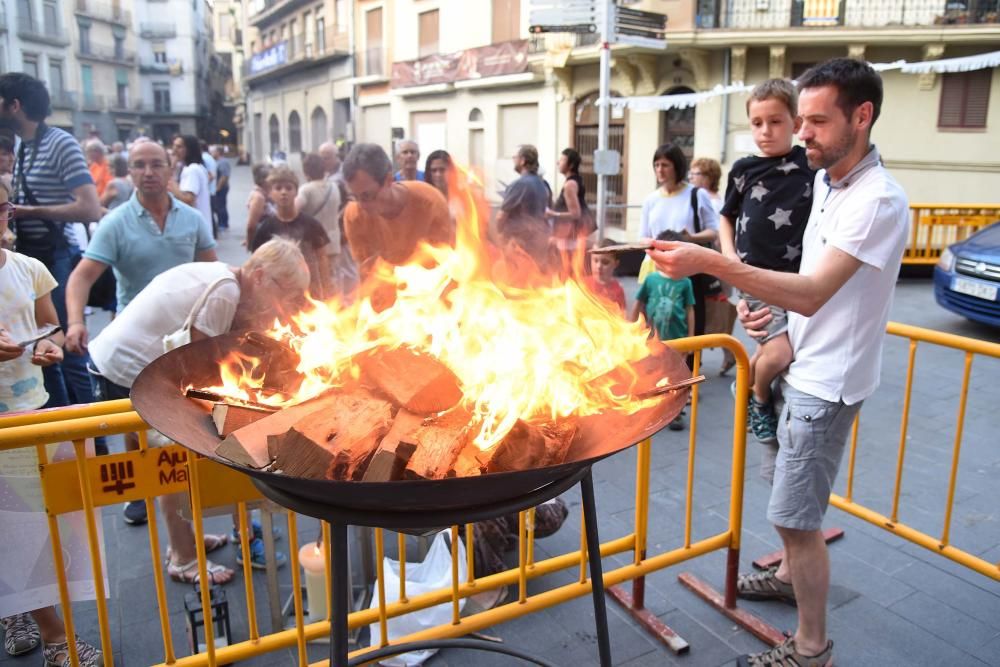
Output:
x=764 y=217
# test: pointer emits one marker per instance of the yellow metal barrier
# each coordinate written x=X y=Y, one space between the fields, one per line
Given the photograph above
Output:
x=891 y=523
x=88 y=483
x=934 y=227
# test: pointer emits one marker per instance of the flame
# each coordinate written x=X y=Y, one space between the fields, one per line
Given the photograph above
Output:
x=525 y=344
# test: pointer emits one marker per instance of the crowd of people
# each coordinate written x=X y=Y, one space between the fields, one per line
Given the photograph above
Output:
x=782 y=246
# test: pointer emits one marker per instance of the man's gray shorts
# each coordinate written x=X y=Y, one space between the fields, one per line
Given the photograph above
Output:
x=779 y=317
x=812 y=434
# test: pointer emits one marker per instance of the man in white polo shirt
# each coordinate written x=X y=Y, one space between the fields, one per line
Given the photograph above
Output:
x=838 y=307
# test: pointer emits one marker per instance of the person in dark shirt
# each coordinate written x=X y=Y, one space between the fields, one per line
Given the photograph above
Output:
x=528 y=196
x=288 y=223
x=763 y=219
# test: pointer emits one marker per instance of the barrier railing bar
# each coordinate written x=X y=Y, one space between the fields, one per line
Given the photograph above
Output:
x=293 y=548
x=327 y=567
x=917 y=537
x=59 y=564
x=80 y=448
x=522 y=555
x=959 y=428
x=530 y=521
x=852 y=455
x=897 y=487
x=470 y=554
x=692 y=449
x=642 y=463
x=204 y=583
x=163 y=610
x=383 y=620
x=401 y=542
x=70 y=412
x=456 y=611
x=73 y=429
x=241 y=509
x=583 y=549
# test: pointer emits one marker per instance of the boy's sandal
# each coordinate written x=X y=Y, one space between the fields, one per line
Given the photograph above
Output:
x=785 y=655
x=212 y=542
x=764 y=586
x=187 y=573
x=57 y=655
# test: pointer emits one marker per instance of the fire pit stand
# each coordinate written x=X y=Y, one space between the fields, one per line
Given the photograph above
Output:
x=341 y=517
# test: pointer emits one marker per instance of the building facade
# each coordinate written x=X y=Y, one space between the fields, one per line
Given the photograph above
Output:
x=297 y=75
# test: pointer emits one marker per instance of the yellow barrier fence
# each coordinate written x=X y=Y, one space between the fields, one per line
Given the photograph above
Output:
x=86 y=483
x=934 y=227
x=891 y=522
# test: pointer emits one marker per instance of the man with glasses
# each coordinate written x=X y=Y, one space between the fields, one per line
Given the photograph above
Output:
x=147 y=235
x=389 y=219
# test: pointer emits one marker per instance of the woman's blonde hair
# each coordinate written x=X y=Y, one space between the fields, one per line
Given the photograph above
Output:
x=281 y=260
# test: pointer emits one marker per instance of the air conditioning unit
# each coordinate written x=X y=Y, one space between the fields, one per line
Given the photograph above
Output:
x=763 y=5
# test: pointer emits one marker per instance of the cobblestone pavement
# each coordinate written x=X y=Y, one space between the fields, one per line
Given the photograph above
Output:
x=892 y=603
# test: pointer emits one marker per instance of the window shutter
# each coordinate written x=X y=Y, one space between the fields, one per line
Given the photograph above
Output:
x=965 y=99
x=977 y=97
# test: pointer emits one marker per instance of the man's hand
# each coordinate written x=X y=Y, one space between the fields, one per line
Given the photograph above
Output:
x=24 y=212
x=9 y=349
x=679 y=259
x=76 y=338
x=753 y=321
x=46 y=353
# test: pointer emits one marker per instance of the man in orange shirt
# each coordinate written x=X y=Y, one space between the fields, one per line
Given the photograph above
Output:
x=97 y=163
x=389 y=219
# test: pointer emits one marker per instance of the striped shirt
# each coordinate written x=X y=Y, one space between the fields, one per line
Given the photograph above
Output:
x=53 y=168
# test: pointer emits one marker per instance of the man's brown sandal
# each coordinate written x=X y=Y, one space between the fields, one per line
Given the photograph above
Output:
x=785 y=655
x=764 y=586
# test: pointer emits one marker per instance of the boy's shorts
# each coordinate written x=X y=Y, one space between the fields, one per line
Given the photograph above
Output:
x=779 y=317
x=812 y=435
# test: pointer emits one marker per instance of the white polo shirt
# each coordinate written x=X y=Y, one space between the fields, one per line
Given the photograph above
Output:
x=838 y=351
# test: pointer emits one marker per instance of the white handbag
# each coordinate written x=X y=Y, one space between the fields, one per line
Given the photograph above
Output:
x=182 y=336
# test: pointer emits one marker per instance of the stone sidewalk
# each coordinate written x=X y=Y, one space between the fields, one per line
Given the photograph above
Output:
x=892 y=603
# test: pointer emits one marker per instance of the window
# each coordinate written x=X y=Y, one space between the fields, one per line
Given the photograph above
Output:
x=965 y=98
x=30 y=64
x=120 y=48
x=84 y=38
x=24 y=8
x=51 y=13
x=429 y=26
x=56 y=84
x=161 y=97
x=274 y=132
x=320 y=34
x=87 y=81
x=293 y=39
x=307 y=32
x=342 y=9
x=226 y=26
x=373 y=41
x=294 y=132
x=506 y=20
x=160 y=53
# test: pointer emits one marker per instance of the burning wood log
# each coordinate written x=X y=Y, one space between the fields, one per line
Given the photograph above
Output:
x=395 y=450
x=277 y=360
x=523 y=448
x=248 y=445
x=558 y=439
x=439 y=441
x=229 y=417
x=413 y=380
x=334 y=442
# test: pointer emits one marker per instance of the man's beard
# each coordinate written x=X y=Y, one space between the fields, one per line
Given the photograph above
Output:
x=831 y=155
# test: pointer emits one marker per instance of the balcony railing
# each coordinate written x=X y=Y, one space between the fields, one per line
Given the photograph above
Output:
x=150 y=30
x=106 y=53
x=62 y=99
x=33 y=30
x=299 y=48
x=186 y=109
x=92 y=102
x=152 y=66
x=103 y=11
x=770 y=14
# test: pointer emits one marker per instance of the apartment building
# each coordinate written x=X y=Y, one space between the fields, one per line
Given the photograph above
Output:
x=174 y=55
x=228 y=19
x=297 y=74
x=106 y=75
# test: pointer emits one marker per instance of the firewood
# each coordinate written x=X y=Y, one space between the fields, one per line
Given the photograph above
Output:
x=411 y=379
x=439 y=441
x=278 y=362
x=395 y=450
x=248 y=445
x=558 y=439
x=229 y=417
x=334 y=442
x=523 y=448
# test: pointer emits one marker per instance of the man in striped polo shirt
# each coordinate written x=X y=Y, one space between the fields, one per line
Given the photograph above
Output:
x=52 y=187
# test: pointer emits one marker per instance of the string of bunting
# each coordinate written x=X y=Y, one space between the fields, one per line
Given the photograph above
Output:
x=687 y=100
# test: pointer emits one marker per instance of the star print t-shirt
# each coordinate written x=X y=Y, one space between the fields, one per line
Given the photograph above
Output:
x=768 y=199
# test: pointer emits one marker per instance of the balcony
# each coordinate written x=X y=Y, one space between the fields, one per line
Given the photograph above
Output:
x=92 y=102
x=272 y=10
x=105 y=53
x=773 y=14
x=102 y=11
x=121 y=105
x=296 y=52
x=63 y=99
x=149 y=30
x=153 y=109
x=32 y=30
x=151 y=66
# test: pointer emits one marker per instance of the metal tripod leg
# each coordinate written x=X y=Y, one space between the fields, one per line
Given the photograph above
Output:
x=596 y=571
x=338 y=595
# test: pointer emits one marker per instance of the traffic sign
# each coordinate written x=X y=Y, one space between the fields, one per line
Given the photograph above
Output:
x=607 y=162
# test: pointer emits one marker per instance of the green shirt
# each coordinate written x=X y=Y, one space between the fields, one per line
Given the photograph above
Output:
x=666 y=302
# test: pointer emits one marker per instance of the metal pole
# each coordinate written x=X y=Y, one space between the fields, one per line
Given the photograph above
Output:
x=596 y=569
x=338 y=595
x=602 y=109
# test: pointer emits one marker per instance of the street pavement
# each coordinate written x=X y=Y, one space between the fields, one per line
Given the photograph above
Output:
x=891 y=602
